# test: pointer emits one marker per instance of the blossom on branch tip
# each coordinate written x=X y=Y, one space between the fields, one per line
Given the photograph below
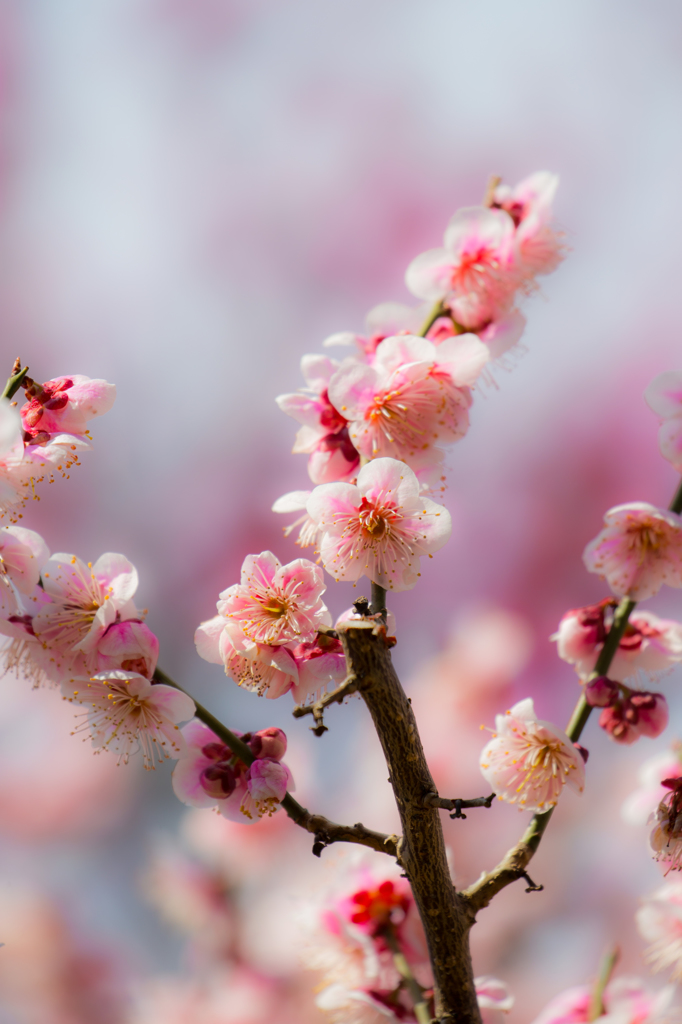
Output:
x=664 y=397
x=379 y=528
x=474 y=273
x=528 y=762
x=65 y=405
x=639 y=550
x=209 y=774
x=126 y=712
x=413 y=396
x=538 y=246
x=649 y=645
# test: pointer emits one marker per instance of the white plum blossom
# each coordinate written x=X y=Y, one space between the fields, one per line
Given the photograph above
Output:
x=639 y=550
x=126 y=712
x=379 y=528
x=528 y=762
x=639 y=807
x=659 y=921
x=413 y=396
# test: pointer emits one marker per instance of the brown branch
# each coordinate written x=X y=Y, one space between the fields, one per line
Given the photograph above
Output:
x=456 y=805
x=324 y=830
x=337 y=696
x=446 y=917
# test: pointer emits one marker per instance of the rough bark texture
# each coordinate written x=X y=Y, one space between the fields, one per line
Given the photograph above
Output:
x=446 y=915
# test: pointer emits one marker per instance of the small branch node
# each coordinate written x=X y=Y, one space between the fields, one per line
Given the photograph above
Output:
x=457 y=813
x=532 y=887
x=321 y=841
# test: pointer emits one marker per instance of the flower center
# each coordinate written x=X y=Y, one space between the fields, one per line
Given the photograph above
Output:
x=647 y=540
x=375 y=906
x=373 y=520
x=277 y=607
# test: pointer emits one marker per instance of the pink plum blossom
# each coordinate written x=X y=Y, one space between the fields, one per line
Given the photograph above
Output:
x=296 y=501
x=380 y=527
x=626 y=1001
x=383 y=321
x=11 y=456
x=86 y=600
x=649 y=646
x=493 y=998
x=659 y=921
x=274 y=604
x=642 y=803
x=474 y=273
x=127 y=712
x=538 y=246
x=318 y=662
x=637 y=713
x=130 y=646
x=664 y=396
x=639 y=550
x=266 y=670
x=22 y=556
x=22 y=653
x=344 y=926
x=209 y=774
x=413 y=396
x=324 y=431
x=528 y=761
x=65 y=405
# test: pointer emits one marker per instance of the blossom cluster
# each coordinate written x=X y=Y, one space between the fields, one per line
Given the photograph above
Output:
x=352 y=931
x=46 y=435
x=405 y=391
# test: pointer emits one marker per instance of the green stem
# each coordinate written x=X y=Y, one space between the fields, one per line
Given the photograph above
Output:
x=416 y=992
x=437 y=310
x=597 y=1007
x=14 y=383
x=676 y=504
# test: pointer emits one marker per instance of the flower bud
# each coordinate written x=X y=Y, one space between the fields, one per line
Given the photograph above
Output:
x=601 y=692
x=218 y=780
x=640 y=714
x=269 y=743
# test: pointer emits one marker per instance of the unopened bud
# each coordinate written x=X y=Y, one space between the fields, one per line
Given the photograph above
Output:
x=601 y=692
x=218 y=780
x=269 y=743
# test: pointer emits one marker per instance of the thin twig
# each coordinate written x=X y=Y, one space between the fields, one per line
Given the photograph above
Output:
x=456 y=805
x=438 y=309
x=597 y=1008
x=14 y=382
x=327 y=831
x=489 y=197
x=415 y=990
x=336 y=696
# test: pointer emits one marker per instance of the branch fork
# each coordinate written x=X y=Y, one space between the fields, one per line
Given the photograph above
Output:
x=456 y=805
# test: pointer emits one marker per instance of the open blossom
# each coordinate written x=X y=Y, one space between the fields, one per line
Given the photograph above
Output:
x=65 y=405
x=413 y=396
x=380 y=527
x=528 y=761
x=382 y=321
x=344 y=928
x=641 y=804
x=209 y=774
x=85 y=601
x=126 y=712
x=659 y=921
x=11 y=455
x=21 y=652
x=626 y=1001
x=22 y=555
x=296 y=501
x=649 y=645
x=474 y=273
x=130 y=646
x=639 y=550
x=666 y=837
x=538 y=246
x=266 y=670
x=324 y=431
x=275 y=603
x=664 y=396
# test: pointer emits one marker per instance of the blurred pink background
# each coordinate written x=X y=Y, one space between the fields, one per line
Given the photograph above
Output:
x=193 y=194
